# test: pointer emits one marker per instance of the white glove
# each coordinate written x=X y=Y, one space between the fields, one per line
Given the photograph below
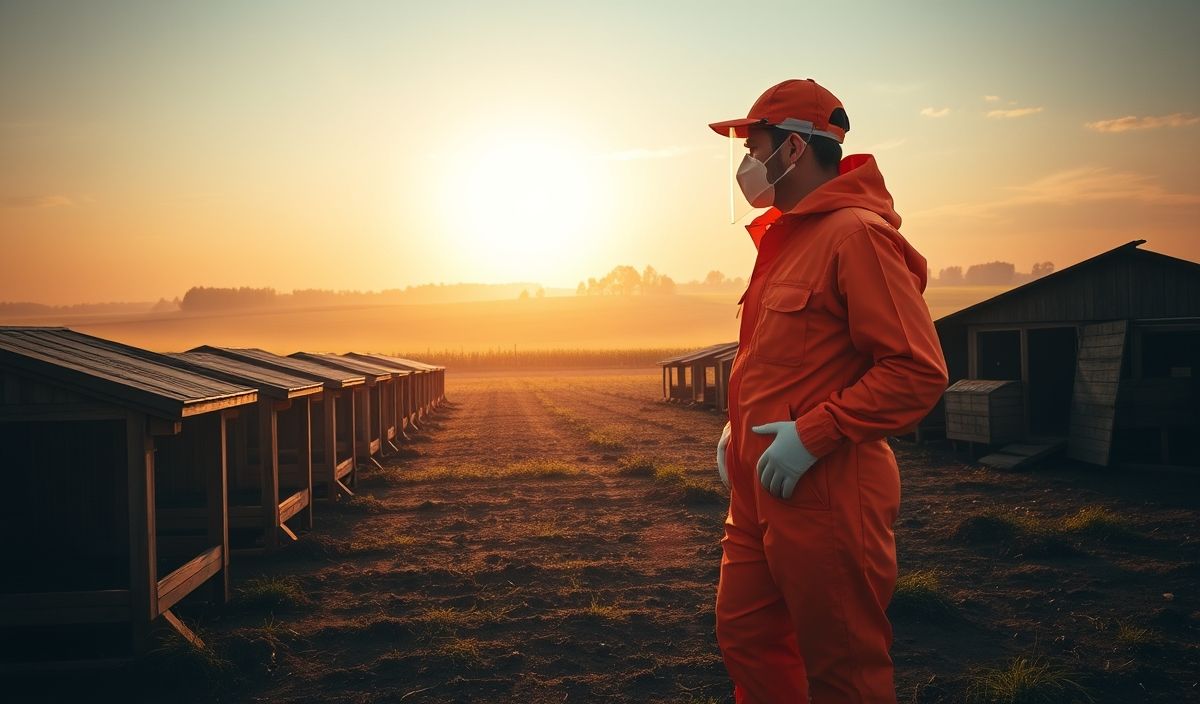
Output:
x=785 y=461
x=721 y=445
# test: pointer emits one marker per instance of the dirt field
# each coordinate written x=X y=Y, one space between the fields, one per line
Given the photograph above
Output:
x=556 y=540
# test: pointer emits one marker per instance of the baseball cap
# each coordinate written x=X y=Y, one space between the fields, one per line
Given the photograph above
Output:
x=796 y=105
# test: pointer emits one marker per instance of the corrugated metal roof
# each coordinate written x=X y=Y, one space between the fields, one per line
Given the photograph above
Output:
x=699 y=354
x=271 y=382
x=354 y=365
x=404 y=363
x=111 y=371
x=332 y=377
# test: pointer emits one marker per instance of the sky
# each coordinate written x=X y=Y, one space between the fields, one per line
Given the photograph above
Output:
x=147 y=147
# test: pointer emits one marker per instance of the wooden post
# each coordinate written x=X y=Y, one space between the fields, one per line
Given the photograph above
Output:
x=218 y=502
x=143 y=550
x=268 y=470
x=351 y=479
x=329 y=418
x=304 y=458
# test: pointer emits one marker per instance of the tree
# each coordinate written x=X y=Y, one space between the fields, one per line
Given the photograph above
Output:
x=951 y=276
x=524 y=295
x=714 y=278
x=581 y=289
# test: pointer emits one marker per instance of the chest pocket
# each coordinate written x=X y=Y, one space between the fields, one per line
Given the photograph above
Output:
x=782 y=330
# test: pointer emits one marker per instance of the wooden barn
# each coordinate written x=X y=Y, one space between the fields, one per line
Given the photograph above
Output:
x=430 y=381
x=95 y=443
x=377 y=403
x=1107 y=353
x=335 y=436
x=691 y=378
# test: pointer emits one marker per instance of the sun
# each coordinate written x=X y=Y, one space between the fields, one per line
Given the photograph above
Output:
x=523 y=206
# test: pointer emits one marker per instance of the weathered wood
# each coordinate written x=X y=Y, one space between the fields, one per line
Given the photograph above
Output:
x=190 y=575
x=1094 y=396
x=268 y=467
x=143 y=552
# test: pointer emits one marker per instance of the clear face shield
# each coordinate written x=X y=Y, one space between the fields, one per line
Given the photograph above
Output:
x=751 y=187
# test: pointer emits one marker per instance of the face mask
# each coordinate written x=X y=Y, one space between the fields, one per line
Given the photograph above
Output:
x=752 y=178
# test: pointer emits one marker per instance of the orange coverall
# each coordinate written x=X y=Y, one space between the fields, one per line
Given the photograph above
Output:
x=836 y=336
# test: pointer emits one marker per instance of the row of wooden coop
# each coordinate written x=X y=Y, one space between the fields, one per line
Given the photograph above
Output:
x=131 y=476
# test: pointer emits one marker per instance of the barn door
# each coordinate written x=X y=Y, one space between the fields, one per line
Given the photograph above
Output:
x=1094 y=395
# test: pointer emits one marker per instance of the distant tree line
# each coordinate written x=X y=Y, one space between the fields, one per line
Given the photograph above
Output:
x=624 y=280
x=213 y=299
x=989 y=274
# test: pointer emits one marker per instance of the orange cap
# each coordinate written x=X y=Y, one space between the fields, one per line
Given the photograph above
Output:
x=797 y=105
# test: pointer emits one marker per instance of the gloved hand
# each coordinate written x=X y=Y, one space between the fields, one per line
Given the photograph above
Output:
x=721 y=445
x=785 y=461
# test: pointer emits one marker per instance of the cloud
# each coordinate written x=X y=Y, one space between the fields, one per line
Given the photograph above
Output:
x=1015 y=112
x=643 y=154
x=1085 y=184
x=44 y=201
x=1132 y=122
x=935 y=112
x=991 y=98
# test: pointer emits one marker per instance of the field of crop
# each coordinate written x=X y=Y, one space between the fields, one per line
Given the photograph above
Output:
x=554 y=538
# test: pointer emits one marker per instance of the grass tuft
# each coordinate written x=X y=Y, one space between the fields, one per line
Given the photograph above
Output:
x=1097 y=521
x=272 y=593
x=920 y=593
x=1026 y=681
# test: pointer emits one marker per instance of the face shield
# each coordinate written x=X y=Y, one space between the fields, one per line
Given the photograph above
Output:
x=751 y=188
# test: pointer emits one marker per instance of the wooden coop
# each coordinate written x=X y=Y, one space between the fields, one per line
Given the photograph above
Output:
x=271 y=450
x=96 y=443
x=1107 y=353
x=691 y=378
x=405 y=403
x=334 y=447
x=724 y=370
x=984 y=411
x=430 y=381
x=377 y=404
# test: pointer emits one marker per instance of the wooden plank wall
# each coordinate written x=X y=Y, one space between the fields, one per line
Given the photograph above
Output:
x=1094 y=397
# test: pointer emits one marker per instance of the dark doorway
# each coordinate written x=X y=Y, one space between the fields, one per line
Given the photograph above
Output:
x=998 y=355
x=1051 y=378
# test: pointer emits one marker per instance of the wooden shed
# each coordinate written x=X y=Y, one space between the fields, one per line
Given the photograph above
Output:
x=335 y=436
x=1107 y=352
x=95 y=443
x=377 y=403
x=692 y=377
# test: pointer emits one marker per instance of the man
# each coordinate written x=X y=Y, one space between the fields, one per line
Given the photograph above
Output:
x=836 y=352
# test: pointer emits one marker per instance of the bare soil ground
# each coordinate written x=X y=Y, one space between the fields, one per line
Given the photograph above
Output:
x=519 y=551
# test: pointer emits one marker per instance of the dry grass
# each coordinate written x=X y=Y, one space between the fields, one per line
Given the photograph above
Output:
x=920 y=593
x=1026 y=681
x=1097 y=521
x=673 y=477
x=528 y=469
x=606 y=612
x=272 y=593
x=607 y=439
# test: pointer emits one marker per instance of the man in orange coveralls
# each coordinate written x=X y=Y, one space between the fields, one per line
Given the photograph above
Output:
x=837 y=351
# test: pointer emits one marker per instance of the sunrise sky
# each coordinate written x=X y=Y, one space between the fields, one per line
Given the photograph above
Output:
x=149 y=147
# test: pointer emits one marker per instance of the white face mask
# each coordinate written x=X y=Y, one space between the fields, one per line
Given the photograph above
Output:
x=752 y=178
